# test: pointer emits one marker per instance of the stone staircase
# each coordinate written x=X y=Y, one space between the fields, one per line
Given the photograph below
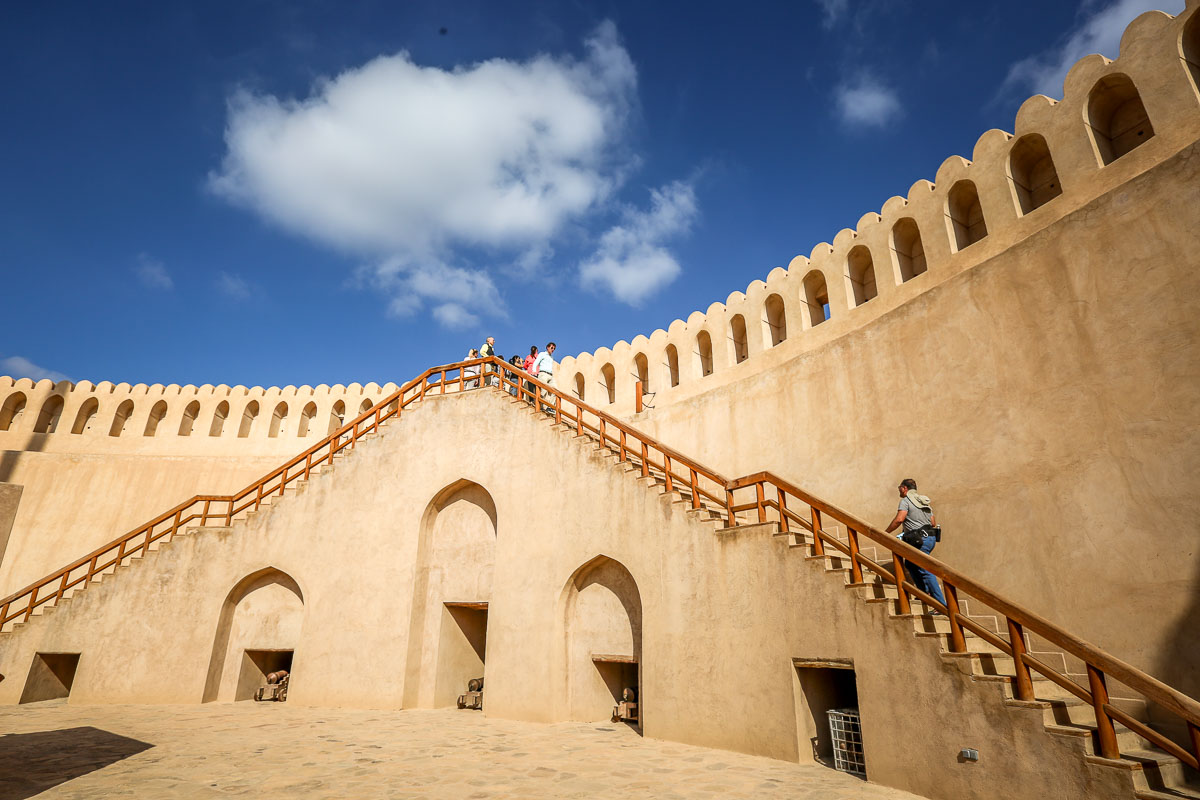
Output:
x=1151 y=773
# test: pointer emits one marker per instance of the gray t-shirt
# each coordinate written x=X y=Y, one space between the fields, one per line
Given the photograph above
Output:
x=917 y=516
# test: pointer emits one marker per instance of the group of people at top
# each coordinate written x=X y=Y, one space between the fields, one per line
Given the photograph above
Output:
x=538 y=364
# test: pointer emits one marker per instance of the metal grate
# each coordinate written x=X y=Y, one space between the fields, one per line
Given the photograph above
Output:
x=846 y=730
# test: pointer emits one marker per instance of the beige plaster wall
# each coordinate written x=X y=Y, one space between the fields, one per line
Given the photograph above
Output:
x=722 y=614
x=117 y=455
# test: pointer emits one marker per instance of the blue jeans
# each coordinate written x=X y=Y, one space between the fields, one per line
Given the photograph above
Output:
x=922 y=578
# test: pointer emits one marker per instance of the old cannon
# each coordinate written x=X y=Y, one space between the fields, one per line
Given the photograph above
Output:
x=276 y=688
x=474 y=696
x=626 y=708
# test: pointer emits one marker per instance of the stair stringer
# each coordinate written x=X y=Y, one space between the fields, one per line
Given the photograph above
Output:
x=724 y=612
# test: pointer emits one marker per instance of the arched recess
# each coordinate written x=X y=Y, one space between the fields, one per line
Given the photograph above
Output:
x=157 y=413
x=189 y=418
x=964 y=216
x=306 y=418
x=47 y=421
x=641 y=368
x=609 y=376
x=704 y=359
x=579 y=392
x=220 y=414
x=278 y=421
x=739 y=347
x=908 y=254
x=12 y=411
x=257 y=633
x=673 y=364
x=860 y=275
x=248 y=416
x=774 y=321
x=337 y=416
x=815 y=297
x=364 y=407
x=601 y=640
x=1031 y=173
x=1189 y=49
x=452 y=586
x=85 y=415
x=121 y=418
x=1116 y=118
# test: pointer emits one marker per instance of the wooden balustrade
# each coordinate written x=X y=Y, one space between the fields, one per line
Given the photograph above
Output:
x=659 y=462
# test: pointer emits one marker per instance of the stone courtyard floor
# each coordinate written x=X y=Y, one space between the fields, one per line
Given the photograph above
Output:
x=54 y=750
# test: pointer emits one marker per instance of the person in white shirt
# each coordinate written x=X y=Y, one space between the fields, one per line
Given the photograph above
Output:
x=543 y=367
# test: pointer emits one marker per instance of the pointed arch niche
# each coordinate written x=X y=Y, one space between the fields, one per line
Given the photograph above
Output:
x=908 y=253
x=601 y=640
x=1116 y=118
x=673 y=364
x=257 y=633
x=815 y=295
x=704 y=359
x=964 y=216
x=774 y=321
x=456 y=555
x=1189 y=49
x=12 y=411
x=739 y=348
x=157 y=413
x=860 y=275
x=121 y=418
x=87 y=413
x=1031 y=173
x=189 y=418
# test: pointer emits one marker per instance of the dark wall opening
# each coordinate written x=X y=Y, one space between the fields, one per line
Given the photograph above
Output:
x=50 y=677
x=821 y=689
x=256 y=666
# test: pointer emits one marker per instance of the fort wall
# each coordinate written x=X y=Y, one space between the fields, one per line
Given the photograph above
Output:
x=1018 y=334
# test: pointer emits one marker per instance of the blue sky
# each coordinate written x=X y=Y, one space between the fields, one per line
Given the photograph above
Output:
x=268 y=193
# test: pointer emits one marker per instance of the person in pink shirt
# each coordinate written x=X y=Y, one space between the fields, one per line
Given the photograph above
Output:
x=529 y=359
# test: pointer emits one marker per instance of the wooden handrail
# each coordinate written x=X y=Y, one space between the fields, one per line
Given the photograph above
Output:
x=632 y=444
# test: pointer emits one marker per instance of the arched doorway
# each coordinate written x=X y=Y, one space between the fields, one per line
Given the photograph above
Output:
x=257 y=634
x=602 y=640
x=456 y=554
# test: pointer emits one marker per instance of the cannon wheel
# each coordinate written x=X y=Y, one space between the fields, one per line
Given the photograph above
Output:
x=281 y=695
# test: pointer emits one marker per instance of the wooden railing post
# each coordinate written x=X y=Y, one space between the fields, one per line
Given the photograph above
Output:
x=621 y=447
x=645 y=460
x=855 y=567
x=62 y=586
x=1105 y=731
x=670 y=480
x=1023 y=683
x=1193 y=733
x=578 y=420
x=146 y=544
x=730 y=519
x=443 y=385
x=695 y=489
x=637 y=397
x=32 y=603
x=175 y=525
x=902 y=604
x=307 y=465
x=258 y=497
x=818 y=545
x=557 y=409
x=784 y=522
x=758 y=496
x=603 y=434
x=958 y=643
x=229 y=512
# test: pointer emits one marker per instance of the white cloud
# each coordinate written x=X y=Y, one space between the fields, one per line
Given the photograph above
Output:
x=21 y=367
x=832 y=11
x=232 y=286
x=630 y=260
x=866 y=102
x=408 y=165
x=153 y=273
x=1098 y=31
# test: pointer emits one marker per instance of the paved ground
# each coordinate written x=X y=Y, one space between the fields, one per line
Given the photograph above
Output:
x=268 y=750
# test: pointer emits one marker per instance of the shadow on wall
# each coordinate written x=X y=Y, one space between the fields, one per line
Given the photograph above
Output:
x=1177 y=663
x=31 y=763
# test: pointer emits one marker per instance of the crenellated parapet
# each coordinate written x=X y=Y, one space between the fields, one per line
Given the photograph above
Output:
x=1117 y=120
x=174 y=419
